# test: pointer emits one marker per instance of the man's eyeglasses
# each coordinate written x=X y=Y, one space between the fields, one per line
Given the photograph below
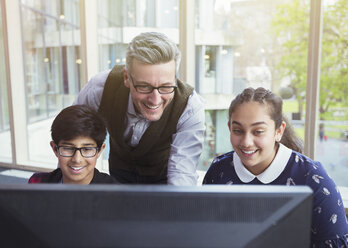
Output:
x=147 y=89
x=69 y=151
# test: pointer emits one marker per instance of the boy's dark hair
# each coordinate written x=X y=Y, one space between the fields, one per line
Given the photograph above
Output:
x=76 y=121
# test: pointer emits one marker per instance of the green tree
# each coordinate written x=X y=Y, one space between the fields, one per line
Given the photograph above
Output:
x=291 y=25
x=334 y=68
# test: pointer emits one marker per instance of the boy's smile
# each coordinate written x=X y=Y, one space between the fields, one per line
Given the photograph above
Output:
x=76 y=169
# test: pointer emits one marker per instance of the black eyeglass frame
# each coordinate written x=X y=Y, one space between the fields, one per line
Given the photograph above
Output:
x=153 y=88
x=97 y=149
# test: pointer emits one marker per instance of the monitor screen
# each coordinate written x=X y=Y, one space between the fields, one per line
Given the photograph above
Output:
x=60 y=215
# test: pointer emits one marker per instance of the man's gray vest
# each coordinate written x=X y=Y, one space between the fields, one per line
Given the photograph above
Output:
x=150 y=157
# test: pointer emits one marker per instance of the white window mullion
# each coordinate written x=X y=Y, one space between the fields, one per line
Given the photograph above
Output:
x=16 y=84
x=313 y=78
x=187 y=41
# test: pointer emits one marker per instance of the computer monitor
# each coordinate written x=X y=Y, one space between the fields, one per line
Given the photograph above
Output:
x=61 y=215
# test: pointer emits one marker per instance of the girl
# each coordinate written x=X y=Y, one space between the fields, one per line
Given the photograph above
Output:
x=266 y=151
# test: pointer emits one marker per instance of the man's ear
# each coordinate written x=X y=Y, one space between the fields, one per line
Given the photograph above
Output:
x=54 y=148
x=125 y=76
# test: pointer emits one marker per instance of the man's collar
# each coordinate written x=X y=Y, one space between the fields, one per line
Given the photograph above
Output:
x=271 y=173
x=131 y=110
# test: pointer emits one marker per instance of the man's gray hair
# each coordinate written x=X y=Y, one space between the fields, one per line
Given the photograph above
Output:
x=152 y=48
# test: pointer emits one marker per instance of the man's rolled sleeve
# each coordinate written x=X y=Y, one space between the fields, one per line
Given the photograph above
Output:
x=187 y=143
x=92 y=92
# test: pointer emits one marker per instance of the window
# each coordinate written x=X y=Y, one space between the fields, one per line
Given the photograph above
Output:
x=119 y=21
x=52 y=69
x=332 y=142
x=5 y=130
x=243 y=44
x=237 y=44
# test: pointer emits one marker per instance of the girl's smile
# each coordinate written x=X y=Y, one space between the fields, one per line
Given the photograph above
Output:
x=253 y=135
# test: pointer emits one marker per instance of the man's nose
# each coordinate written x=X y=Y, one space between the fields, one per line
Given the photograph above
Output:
x=155 y=96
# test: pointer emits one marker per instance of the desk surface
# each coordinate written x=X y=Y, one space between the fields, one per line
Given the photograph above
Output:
x=344 y=194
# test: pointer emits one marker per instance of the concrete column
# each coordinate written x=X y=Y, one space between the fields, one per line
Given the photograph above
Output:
x=89 y=38
x=16 y=82
x=187 y=41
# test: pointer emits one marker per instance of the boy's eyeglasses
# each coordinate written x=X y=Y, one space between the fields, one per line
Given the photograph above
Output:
x=69 y=151
x=147 y=89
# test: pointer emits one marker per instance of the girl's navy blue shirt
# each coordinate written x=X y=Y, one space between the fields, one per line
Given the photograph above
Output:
x=329 y=222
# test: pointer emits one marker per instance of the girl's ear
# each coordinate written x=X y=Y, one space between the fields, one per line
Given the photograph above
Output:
x=280 y=131
x=229 y=125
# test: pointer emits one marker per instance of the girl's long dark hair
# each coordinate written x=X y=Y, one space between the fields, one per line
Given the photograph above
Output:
x=275 y=104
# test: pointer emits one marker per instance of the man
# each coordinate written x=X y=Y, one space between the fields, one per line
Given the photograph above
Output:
x=155 y=121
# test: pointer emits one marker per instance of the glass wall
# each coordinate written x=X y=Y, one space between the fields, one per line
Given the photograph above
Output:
x=243 y=44
x=332 y=142
x=120 y=20
x=52 y=67
x=166 y=13
x=238 y=44
x=216 y=141
x=5 y=131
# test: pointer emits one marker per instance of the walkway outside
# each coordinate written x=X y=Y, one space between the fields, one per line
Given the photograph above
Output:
x=333 y=154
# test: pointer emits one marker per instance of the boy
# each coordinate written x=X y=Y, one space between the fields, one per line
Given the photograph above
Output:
x=78 y=135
